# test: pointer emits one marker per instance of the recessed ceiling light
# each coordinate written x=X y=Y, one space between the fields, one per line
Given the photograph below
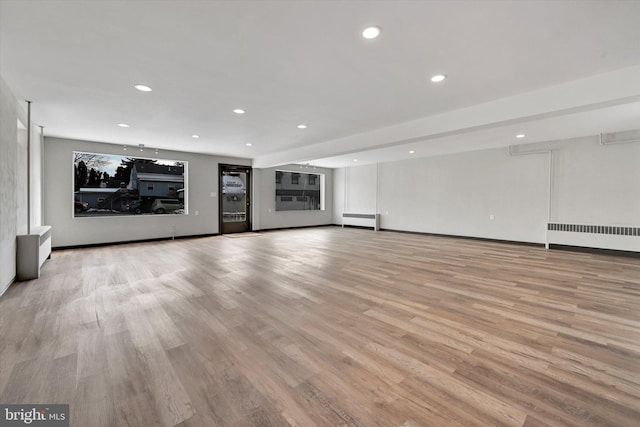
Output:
x=248 y=144
x=302 y=126
x=355 y=160
x=123 y=125
x=371 y=32
x=143 y=88
x=195 y=136
x=520 y=135
x=438 y=78
x=239 y=111
x=412 y=151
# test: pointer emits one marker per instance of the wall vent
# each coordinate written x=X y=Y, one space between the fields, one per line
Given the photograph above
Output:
x=595 y=229
x=620 y=137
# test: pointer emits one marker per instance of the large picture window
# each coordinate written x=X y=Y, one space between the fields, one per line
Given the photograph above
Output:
x=112 y=185
x=297 y=191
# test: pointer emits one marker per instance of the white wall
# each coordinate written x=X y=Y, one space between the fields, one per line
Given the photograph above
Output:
x=364 y=178
x=357 y=192
x=13 y=180
x=339 y=193
x=37 y=163
x=8 y=183
x=68 y=231
x=457 y=194
x=264 y=201
x=21 y=179
x=595 y=184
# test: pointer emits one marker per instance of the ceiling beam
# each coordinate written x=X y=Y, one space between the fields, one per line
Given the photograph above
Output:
x=590 y=93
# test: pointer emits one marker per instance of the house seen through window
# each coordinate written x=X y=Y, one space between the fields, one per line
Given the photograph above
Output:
x=112 y=185
x=297 y=191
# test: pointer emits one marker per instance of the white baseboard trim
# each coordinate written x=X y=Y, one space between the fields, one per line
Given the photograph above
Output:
x=3 y=290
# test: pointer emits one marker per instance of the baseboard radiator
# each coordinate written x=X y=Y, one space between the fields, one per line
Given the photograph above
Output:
x=361 y=220
x=624 y=238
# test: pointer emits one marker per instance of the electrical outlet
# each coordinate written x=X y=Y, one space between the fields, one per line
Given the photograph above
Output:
x=197 y=213
x=492 y=217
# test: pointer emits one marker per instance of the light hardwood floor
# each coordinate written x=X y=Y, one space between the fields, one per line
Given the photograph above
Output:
x=327 y=327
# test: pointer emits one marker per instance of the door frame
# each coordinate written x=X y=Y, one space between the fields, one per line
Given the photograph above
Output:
x=223 y=167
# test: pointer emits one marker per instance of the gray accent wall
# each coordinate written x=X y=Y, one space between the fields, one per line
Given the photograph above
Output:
x=265 y=215
x=202 y=198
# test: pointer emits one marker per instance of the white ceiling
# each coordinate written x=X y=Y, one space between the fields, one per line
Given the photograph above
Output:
x=550 y=69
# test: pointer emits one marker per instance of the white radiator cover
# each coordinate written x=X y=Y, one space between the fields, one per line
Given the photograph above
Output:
x=622 y=238
x=361 y=220
x=33 y=251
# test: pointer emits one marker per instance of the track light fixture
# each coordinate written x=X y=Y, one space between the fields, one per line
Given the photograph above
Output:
x=141 y=147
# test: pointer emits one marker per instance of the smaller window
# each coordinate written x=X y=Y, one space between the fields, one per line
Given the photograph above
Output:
x=298 y=191
x=150 y=187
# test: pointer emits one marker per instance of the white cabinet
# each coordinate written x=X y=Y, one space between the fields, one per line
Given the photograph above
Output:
x=33 y=251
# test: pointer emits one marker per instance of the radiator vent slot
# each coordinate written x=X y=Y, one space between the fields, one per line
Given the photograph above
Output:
x=595 y=229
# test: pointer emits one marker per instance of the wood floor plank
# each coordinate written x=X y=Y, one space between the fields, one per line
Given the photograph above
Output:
x=327 y=326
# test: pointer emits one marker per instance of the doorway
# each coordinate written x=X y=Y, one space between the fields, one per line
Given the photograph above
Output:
x=235 y=195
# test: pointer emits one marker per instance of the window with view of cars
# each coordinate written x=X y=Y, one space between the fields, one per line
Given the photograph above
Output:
x=113 y=185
